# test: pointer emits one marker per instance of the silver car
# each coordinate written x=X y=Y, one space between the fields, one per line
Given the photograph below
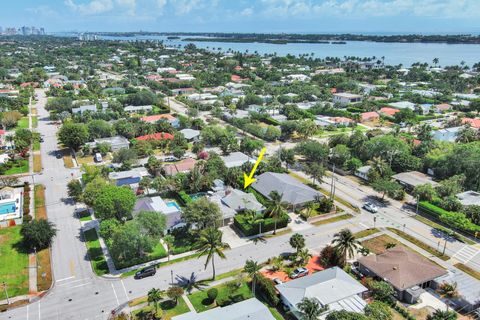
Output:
x=370 y=207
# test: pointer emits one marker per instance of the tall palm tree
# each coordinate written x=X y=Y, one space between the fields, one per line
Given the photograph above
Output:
x=209 y=244
x=154 y=296
x=276 y=208
x=303 y=256
x=169 y=240
x=252 y=268
x=346 y=244
x=310 y=308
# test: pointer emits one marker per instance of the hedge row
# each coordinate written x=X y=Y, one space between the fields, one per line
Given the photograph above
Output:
x=184 y=197
x=250 y=229
x=457 y=220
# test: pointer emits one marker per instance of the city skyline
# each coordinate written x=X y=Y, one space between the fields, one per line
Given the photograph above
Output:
x=305 y=16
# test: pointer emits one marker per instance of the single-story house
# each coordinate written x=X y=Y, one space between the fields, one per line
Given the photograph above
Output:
x=82 y=109
x=345 y=98
x=236 y=159
x=473 y=122
x=292 y=191
x=369 y=116
x=469 y=198
x=411 y=179
x=191 y=135
x=129 y=178
x=116 y=142
x=403 y=268
x=362 y=172
x=168 y=117
x=136 y=109
x=170 y=209
x=159 y=136
x=185 y=165
x=332 y=121
x=447 y=134
x=403 y=105
x=468 y=289
x=250 y=309
x=11 y=200
x=183 y=91
x=442 y=107
x=332 y=287
x=388 y=111
x=241 y=201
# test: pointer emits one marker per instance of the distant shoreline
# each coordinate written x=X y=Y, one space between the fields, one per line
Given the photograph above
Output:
x=303 y=38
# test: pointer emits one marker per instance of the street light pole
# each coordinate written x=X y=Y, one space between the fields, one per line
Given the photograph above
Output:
x=416 y=211
x=374 y=222
x=171 y=275
x=444 y=247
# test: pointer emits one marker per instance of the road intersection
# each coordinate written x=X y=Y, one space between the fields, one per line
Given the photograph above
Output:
x=79 y=294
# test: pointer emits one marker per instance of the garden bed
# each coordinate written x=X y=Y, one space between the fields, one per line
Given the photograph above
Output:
x=201 y=302
x=97 y=259
x=166 y=308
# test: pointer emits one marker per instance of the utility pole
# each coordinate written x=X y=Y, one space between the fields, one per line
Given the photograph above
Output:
x=374 y=222
x=444 y=247
x=171 y=275
x=416 y=211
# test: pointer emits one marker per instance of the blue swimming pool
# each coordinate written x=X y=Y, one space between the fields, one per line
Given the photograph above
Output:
x=198 y=195
x=8 y=207
x=173 y=204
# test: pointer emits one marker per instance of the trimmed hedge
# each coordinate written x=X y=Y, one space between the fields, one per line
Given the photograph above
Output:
x=457 y=220
x=184 y=197
x=250 y=229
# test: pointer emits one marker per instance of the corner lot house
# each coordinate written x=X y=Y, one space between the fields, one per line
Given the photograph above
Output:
x=11 y=206
x=468 y=289
x=250 y=309
x=293 y=191
x=170 y=209
x=404 y=269
x=331 y=287
x=469 y=198
x=345 y=98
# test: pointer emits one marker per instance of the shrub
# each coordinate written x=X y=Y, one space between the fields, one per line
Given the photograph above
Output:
x=27 y=218
x=184 y=197
x=266 y=288
x=268 y=224
x=212 y=294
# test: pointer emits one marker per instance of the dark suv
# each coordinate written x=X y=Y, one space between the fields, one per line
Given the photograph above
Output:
x=145 y=272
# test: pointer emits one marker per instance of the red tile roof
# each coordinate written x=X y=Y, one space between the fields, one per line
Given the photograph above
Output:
x=443 y=107
x=181 y=166
x=474 y=123
x=157 y=117
x=369 y=115
x=156 y=136
x=389 y=111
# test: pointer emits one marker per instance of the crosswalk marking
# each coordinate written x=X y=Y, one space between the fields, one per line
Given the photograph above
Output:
x=466 y=254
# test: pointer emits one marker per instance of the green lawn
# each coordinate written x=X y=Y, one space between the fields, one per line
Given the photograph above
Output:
x=22 y=123
x=85 y=215
x=14 y=264
x=20 y=166
x=166 y=309
x=333 y=219
x=365 y=233
x=201 y=302
x=34 y=121
x=97 y=259
x=158 y=252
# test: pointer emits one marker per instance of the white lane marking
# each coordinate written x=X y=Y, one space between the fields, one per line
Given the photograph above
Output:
x=124 y=289
x=28 y=311
x=68 y=278
x=364 y=225
x=39 y=313
x=72 y=282
x=80 y=285
x=115 y=293
x=471 y=257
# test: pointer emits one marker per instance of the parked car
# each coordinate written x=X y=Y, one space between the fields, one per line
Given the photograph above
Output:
x=59 y=155
x=170 y=159
x=370 y=207
x=299 y=272
x=98 y=157
x=277 y=281
x=145 y=272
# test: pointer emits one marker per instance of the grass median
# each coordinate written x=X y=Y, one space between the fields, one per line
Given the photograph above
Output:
x=333 y=219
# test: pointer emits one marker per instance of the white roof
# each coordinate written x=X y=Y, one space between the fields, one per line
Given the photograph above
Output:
x=236 y=159
x=402 y=105
x=190 y=133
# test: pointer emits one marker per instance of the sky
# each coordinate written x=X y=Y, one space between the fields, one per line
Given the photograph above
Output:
x=303 y=16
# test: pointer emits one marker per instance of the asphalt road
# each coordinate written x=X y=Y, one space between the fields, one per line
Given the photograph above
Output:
x=79 y=294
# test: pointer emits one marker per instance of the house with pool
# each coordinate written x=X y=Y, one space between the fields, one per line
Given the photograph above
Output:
x=169 y=208
x=11 y=206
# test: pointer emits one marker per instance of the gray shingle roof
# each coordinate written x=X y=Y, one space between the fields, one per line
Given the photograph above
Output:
x=330 y=287
x=292 y=191
x=239 y=200
x=250 y=309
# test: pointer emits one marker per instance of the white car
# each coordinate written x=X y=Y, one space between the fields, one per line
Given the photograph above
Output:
x=370 y=207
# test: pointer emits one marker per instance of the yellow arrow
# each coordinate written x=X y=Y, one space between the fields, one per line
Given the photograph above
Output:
x=248 y=180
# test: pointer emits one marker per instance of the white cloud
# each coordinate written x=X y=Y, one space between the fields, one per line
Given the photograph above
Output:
x=129 y=5
x=365 y=8
x=161 y=4
x=185 y=6
x=247 y=12
x=92 y=7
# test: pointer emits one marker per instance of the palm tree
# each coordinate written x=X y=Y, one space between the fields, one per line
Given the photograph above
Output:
x=188 y=284
x=297 y=241
x=346 y=244
x=209 y=244
x=442 y=315
x=276 y=208
x=154 y=296
x=448 y=290
x=169 y=240
x=303 y=256
x=310 y=308
x=252 y=268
